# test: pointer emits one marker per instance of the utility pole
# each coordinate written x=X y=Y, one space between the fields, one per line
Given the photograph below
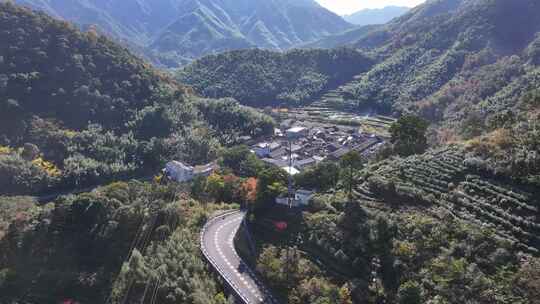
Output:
x=290 y=201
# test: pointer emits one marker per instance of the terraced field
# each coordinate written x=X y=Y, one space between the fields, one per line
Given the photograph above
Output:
x=332 y=108
x=441 y=179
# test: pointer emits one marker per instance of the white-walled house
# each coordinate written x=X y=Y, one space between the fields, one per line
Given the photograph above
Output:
x=181 y=172
x=301 y=199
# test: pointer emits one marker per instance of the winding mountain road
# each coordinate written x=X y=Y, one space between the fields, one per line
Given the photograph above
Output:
x=217 y=245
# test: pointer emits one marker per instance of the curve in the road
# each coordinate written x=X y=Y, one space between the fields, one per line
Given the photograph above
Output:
x=217 y=245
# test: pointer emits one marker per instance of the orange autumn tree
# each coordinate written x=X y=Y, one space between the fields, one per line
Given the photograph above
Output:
x=249 y=190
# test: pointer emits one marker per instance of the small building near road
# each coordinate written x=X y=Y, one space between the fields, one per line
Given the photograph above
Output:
x=304 y=196
x=181 y=172
x=278 y=132
x=278 y=153
x=301 y=199
x=290 y=170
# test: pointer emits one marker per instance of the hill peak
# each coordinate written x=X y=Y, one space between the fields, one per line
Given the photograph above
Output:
x=174 y=32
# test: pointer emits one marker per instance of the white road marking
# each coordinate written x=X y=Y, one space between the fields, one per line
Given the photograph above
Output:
x=248 y=278
x=230 y=242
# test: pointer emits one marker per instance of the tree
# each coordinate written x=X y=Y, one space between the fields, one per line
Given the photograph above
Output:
x=323 y=176
x=356 y=237
x=231 y=188
x=345 y=296
x=215 y=186
x=271 y=182
x=408 y=135
x=528 y=280
x=195 y=146
x=232 y=157
x=384 y=240
x=410 y=293
x=248 y=191
x=30 y=151
x=271 y=266
x=241 y=161
x=351 y=162
x=198 y=188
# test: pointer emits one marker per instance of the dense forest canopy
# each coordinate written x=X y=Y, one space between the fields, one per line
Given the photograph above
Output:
x=77 y=109
x=260 y=77
x=92 y=247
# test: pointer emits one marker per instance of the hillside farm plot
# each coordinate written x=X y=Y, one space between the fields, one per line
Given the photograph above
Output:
x=366 y=122
x=441 y=179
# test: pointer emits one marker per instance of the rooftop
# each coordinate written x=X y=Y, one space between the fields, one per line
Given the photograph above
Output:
x=275 y=162
x=305 y=162
x=177 y=164
x=296 y=129
x=290 y=170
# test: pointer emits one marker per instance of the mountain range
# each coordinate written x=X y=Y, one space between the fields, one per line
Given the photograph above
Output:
x=459 y=223
x=458 y=63
x=376 y=16
x=174 y=32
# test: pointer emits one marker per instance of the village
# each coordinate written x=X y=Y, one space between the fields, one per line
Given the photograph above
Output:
x=294 y=147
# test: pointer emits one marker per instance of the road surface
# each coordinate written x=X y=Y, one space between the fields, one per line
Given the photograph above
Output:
x=217 y=244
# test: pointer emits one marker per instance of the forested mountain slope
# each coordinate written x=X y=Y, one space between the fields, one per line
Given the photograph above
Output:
x=456 y=63
x=453 y=61
x=77 y=109
x=178 y=31
x=260 y=77
x=107 y=246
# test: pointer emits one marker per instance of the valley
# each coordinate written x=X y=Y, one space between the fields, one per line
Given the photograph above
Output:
x=219 y=151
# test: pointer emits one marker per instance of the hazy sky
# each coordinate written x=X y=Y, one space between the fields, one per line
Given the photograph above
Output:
x=344 y=7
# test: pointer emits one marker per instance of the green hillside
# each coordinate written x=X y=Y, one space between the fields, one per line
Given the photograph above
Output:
x=452 y=61
x=456 y=63
x=77 y=109
x=106 y=246
x=260 y=77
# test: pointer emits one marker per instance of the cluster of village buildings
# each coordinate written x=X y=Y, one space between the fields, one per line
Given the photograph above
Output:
x=299 y=147
x=293 y=148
